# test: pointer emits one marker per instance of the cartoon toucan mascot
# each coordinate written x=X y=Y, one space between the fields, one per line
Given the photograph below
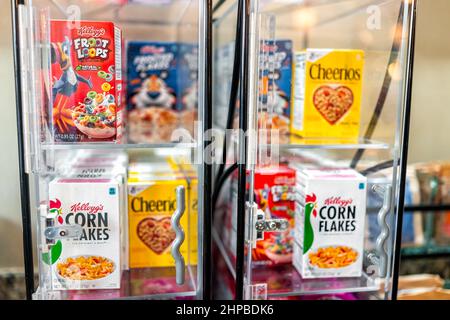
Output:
x=67 y=84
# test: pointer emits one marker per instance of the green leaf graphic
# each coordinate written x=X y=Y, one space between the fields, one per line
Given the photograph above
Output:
x=54 y=254
x=309 y=232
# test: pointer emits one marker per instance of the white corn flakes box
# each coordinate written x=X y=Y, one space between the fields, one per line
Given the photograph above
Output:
x=329 y=223
x=91 y=261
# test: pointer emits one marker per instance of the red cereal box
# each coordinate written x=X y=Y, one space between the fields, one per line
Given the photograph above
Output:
x=86 y=81
x=275 y=195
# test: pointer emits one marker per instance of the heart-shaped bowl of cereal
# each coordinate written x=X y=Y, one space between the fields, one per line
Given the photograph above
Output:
x=96 y=116
x=72 y=271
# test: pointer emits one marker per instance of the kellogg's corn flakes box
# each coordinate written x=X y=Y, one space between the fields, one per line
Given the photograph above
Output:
x=329 y=223
x=92 y=261
x=86 y=86
x=327 y=93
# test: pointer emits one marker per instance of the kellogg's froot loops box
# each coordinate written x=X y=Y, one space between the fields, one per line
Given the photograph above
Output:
x=329 y=223
x=274 y=195
x=91 y=261
x=327 y=93
x=86 y=81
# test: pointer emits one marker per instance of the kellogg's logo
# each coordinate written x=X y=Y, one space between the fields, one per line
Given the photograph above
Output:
x=86 y=207
x=269 y=47
x=152 y=50
x=90 y=31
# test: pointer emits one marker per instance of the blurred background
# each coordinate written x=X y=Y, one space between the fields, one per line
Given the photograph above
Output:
x=427 y=252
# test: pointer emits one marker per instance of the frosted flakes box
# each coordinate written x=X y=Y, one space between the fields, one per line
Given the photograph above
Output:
x=327 y=90
x=152 y=88
x=92 y=261
x=86 y=81
x=276 y=82
x=188 y=86
x=329 y=223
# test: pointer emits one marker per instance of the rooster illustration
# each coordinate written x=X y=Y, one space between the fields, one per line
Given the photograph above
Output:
x=68 y=83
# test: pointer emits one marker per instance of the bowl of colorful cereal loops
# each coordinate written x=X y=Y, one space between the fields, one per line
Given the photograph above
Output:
x=279 y=248
x=96 y=116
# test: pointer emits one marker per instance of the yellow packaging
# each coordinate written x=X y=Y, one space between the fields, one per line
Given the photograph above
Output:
x=151 y=203
x=327 y=93
x=182 y=164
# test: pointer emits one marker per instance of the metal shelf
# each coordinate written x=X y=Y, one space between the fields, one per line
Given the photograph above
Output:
x=431 y=251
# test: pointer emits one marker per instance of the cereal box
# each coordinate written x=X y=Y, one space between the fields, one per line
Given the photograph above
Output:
x=276 y=82
x=327 y=93
x=274 y=194
x=151 y=204
x=92 y=261
x=86 y=81
x=329 y=223
x=188 y=86
x=152 y=88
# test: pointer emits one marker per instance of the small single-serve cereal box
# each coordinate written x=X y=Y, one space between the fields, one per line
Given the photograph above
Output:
x=151 y=204
x=188 y=86
x=152 y=89
x=93 y=260
x=327 y=93
x=274 y=195
x=329 y=223
x=275 y=84
x=86 y=81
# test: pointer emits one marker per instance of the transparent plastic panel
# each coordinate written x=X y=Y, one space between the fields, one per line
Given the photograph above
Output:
x=134 y=143
x=329 y=114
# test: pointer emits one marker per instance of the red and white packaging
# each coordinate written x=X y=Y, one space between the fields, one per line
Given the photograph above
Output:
x=86 y=81
x=275 y=195
x=93 y=260
x=329 y=223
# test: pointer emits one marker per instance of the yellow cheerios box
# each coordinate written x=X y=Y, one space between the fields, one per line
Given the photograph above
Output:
x=327 y=90
x=151 y=203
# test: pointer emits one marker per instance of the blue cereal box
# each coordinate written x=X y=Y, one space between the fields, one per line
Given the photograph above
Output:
x=188 y=85
x=152 y=87
x=275 y=82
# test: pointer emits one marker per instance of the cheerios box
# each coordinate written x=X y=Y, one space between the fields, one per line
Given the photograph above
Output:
x=91 y=259
x=86 y=81
x=330 y=215
x=326 y=91
x=151 y=205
